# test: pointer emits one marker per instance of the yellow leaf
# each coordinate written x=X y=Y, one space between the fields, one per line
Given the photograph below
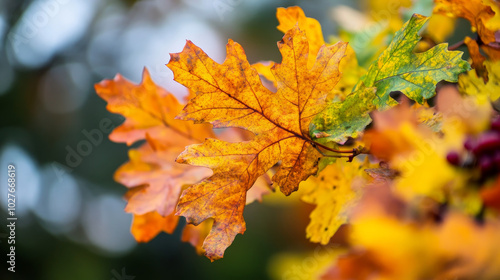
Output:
x=334 y=191
x=440 y=27
x=289 y=17
x=473 y=85
x=381 y=10
x=421 y=247
x=494 y=22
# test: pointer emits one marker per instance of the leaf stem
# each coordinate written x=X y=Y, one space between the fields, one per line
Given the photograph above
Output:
x=337 y=156
x=333 y=150
x=456 y=45
x=351 y=153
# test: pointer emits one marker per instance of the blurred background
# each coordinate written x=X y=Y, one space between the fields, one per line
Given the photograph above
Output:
x=71 y=223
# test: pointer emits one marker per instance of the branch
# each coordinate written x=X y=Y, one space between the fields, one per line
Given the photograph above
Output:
x=456 y=45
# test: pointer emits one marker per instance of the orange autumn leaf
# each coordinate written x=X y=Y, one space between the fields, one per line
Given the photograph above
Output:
x=294 y=16
x=150 y=114
x=353 y=265
x=491 y=195
x=288 y=18
x=475 y=11
x=147 y=108
x=477 y=59
x=146 y=226
x=195 y=235
x=458 y=248
x=158 y=197
x=156 y=181
x=291 y=16
x=156 y=168
x=385 y=139
x=232 y=95
x=154 y=178
x=422 y=247
x=492 y=51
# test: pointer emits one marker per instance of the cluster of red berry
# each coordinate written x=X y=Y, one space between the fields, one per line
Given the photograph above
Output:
x=483 y=151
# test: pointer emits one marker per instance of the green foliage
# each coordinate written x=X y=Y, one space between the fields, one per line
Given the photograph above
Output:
x=398 y=68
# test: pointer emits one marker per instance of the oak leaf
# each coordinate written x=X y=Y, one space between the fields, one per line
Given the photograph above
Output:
x=147 y=226
x=414 y=74
x=232 y=95
x=154 y=178
x=473 y=85
x=492 y=51
x=476 y=12
x=396 y=69
x=150 y=114
x=291 y=16
x=494 y=22
x=484 y=17
x=148 y=109
x=334 y=191
x=195 y=235
x=156 y=168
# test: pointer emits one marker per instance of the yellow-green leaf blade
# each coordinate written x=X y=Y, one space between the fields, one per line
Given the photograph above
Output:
x=396 y=69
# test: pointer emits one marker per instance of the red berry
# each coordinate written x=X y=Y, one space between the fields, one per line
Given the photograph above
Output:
x=496 y=159
x=487 y=142
x=453 y=158
x=469 y=144
x=485 y=163
x=495 y=124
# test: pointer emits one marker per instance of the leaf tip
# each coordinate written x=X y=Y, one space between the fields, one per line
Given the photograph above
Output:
x=179 y=159
x=145 y=72
x=213 y=257
x=418 y=16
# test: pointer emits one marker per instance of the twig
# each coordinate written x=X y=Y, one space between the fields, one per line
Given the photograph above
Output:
x=456 y=45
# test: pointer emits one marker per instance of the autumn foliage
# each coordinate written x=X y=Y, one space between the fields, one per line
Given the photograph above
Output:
x=401 y=143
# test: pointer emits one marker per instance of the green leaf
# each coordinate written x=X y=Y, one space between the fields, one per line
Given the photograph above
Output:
x=414 y=74
x=343 y=119
x=396 y=69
